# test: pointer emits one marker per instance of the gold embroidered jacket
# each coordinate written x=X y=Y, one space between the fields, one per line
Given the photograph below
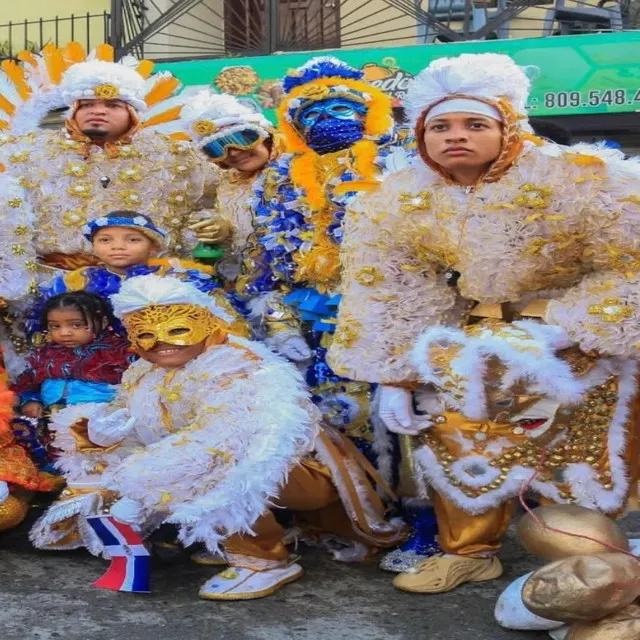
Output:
x=163 y=178
x=561 y=225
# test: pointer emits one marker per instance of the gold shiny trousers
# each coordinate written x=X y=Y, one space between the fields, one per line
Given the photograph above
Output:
x=311 y=493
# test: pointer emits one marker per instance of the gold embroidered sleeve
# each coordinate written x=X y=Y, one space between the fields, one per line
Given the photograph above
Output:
x=18 y=255
x=389 y=292
x=603 y=311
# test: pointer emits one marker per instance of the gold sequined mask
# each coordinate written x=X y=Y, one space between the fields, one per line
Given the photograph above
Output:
x=178 y=324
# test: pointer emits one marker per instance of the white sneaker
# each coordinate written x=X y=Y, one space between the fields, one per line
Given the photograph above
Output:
x=237 y=583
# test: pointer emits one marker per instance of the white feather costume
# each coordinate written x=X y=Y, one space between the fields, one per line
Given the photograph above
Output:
x=555 y=234
x=67 y=179
x=209 y=116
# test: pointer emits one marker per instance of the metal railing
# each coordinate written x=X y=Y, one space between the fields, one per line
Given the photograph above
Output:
x=89 y=29
x=187 y=29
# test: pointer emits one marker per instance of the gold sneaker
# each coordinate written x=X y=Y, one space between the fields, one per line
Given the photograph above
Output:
x=442 y=573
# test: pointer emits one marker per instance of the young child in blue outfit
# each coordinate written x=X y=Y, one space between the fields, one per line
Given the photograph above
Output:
x=122 y=242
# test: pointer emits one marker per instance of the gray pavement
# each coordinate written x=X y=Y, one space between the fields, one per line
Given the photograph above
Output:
x=48 y=596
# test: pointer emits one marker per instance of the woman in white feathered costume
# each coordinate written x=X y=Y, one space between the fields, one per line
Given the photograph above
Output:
x=491 y=225
x=208 y=432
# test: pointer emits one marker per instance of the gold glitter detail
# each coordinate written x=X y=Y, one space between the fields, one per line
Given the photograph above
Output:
x=420 y=201
x=178 y=198
x=204 y=127
x=133 y=174
x=74 y=218
x=611 y=310
x=369 y=276
x=131 y=198
x=25 y=183
x=533 y=196
x=106 y=91
x=19 y=156
x=76 y=169
x=80 y=189
x=347 y=333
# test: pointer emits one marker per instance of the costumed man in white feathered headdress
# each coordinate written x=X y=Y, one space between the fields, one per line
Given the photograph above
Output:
x=108 y=157
x=491 y=225
x=242 y=143
x=339 y=134
x=208 y=432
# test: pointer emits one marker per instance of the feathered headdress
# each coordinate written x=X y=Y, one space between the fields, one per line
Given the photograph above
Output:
x=322 y=78
x=208 y=116
x=327 y=77
x=152 y=290
x=57 y=77
x=489 y=76
x=490 y=79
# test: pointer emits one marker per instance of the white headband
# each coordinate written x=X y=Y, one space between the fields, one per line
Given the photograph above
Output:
x=464 y=105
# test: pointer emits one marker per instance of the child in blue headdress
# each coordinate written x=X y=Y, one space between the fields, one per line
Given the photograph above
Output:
x=126 y=244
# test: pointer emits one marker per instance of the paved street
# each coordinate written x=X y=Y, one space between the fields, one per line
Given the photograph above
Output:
x=49 y=596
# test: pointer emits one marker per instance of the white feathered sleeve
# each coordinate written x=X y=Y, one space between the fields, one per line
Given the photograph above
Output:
x=602 y=312
x=389 y=293
x=18 y=255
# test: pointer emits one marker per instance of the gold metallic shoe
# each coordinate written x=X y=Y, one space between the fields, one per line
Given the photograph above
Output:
x=207 y=559
x=12 y=512
x=442 y=573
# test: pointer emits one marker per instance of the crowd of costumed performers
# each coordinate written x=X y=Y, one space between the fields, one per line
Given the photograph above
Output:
x=246 y=332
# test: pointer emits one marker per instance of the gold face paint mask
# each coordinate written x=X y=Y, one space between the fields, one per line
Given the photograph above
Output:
x=178 y=324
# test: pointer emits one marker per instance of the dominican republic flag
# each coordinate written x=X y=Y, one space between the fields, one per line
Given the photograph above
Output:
x=130 y=568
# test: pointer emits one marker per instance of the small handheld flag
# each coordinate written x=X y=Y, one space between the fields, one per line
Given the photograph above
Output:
x=130 y=568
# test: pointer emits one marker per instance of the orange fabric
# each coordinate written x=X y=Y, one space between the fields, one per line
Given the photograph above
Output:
x=15 y=465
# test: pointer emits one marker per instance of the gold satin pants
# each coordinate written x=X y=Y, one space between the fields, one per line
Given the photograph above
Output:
x=309 y=492
x=462 y=534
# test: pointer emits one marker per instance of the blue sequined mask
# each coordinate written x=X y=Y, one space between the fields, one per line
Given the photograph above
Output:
x=332 y=124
